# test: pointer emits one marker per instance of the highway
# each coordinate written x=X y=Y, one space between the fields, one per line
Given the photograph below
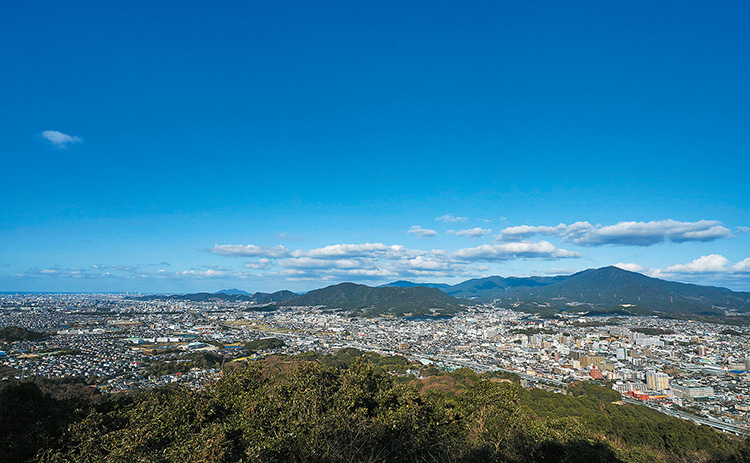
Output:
x=723 y=426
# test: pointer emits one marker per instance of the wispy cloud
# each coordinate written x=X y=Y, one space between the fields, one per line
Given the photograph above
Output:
x=57 y=272
x=560 y=271
x=121 y=268
x=249 y=250
x=210 y=273
x=60 y=140
x=260 y=264
x=422 y=232
x=450 y=218
x=623 y=233
x=286 y=237
x=471 y=232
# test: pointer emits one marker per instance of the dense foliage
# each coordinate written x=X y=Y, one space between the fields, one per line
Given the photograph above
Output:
x=345 y=407
x=344 y=358
x=262 y=344
x=184 y=363
x=15 y=333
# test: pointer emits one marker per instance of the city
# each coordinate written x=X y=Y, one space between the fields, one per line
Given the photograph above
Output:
x=689 y=369
x=337 y=232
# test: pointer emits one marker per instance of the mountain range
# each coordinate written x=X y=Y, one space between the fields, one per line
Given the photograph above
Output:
x=598 y=291
x=599 y=288
x=226 y=295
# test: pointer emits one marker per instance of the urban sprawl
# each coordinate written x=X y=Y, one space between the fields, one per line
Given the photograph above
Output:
x=694 y=370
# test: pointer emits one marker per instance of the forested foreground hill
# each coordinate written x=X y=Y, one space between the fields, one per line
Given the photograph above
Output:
x=345 y=407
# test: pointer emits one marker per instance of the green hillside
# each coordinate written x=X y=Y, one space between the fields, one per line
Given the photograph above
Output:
x=495 y=287
x=364 y=300
x=608 y=286
x=346 y=407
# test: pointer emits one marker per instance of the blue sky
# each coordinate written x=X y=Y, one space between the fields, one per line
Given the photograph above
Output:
x=187 y=146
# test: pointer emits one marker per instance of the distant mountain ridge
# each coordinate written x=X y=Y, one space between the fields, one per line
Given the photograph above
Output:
x=606 y=290
x=609 y=286
x=599 y=288
x=224 y=296
x=410 y=284
x=484 y=289
x=233 y=292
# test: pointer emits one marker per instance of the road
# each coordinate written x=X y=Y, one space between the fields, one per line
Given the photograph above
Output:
x=723 y=426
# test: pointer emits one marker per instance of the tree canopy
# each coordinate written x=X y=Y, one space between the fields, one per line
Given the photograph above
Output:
x=352 y=410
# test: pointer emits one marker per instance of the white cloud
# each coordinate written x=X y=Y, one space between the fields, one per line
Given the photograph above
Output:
x=623 y=233
x=310 y=263
x=471 y=232
x=450 y=218
x=334 y=274
x=704 y=264
x=436 y=266
x=743 y=229
x=742 y=266
x=509 y=251
x=377 y=259
x=422 y=232
x=249 y=250
x=59 y=139
x=631 y=267
x=715 y=266
x=364 y=272
x=358 y=250
x=521 y=232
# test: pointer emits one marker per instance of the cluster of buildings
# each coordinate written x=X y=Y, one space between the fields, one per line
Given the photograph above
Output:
x=685 y=366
